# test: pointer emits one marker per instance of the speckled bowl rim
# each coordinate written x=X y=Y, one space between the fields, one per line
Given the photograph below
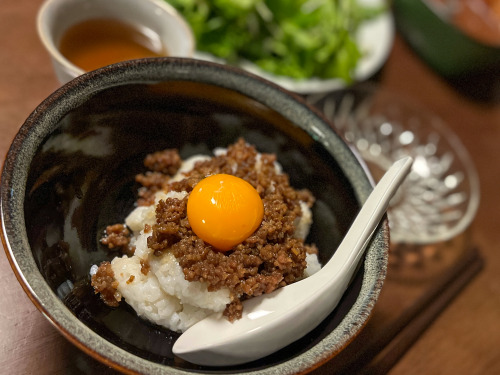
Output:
x=44 y=120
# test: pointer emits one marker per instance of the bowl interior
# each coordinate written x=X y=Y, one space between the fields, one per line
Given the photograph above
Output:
x=81 y=179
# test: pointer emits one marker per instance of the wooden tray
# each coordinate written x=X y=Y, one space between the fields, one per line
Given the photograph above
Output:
x=406 y=307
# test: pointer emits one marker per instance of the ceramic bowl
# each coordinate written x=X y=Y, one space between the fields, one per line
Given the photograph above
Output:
x=70 y=172
x=156 y=19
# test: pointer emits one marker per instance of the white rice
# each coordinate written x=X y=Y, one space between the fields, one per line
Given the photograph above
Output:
x=164 y=296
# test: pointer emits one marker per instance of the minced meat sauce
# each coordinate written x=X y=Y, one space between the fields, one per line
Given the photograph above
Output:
x=270 y=258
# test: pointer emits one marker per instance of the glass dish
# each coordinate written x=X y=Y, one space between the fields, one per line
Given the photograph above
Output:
x=440 y=197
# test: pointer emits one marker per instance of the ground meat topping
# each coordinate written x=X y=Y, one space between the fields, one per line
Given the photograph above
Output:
x=131 y=279
x=171 y=225
x=152 y=182
x=117 y=238
x=145 y=267
x=166 y=162
x=162 y=165
x=104 y=283
x=270 y=258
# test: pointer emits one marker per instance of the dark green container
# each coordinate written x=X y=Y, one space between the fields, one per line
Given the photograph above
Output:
x=463 y=61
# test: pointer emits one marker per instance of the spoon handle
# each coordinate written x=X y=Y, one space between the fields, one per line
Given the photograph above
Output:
x=351 y=249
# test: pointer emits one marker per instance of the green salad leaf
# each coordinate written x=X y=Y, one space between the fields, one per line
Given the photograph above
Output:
x=295 y=38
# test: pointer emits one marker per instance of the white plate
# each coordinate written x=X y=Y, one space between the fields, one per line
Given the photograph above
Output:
x=375 y=38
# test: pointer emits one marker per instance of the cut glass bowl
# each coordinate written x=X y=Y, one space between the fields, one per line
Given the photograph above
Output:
x=440 y=197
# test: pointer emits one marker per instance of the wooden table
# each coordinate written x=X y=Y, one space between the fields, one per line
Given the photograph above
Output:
x=462 y=340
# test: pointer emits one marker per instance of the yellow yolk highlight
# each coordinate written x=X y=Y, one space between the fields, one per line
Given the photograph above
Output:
x=223 y=210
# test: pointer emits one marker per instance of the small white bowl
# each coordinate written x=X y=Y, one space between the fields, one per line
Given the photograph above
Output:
x=154 y=18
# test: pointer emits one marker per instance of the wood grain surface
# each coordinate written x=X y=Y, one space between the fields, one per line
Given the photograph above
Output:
x=465 y=337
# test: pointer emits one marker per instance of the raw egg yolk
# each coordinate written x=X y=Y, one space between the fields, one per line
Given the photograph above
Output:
x=224 y=210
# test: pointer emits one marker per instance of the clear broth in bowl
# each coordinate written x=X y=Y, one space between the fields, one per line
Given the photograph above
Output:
x=96 y=43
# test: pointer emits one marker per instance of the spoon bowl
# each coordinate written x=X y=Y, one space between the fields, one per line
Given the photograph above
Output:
x=272 y=321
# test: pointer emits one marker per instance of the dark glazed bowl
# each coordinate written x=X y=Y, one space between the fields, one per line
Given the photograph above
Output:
x=70 y=172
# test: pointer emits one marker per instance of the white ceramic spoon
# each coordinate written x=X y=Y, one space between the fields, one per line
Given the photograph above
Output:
x=274 y=320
